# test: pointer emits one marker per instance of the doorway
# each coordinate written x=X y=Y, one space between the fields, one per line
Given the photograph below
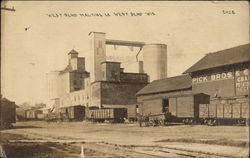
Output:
x=165 y=106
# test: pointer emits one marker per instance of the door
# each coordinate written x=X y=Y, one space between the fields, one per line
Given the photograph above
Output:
x=165 y=106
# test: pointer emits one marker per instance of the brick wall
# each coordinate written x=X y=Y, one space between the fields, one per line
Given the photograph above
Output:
x=120 y=93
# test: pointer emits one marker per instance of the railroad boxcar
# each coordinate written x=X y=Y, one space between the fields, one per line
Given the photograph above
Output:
x=116 y=115
x=179 y=108
x=229 y=113
x=191 y=109
x=8 y=113
x=72 y=113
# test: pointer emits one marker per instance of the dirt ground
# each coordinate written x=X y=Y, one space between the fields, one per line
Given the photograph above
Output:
x=233 y=138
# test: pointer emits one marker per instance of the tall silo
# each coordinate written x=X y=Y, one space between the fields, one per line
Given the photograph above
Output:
x=155 y=61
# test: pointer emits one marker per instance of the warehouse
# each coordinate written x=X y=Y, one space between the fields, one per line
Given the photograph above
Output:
x=224 y=76
x=172 y=95
x=220 y=79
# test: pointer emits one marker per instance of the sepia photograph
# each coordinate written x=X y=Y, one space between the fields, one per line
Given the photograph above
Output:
x=124 y=79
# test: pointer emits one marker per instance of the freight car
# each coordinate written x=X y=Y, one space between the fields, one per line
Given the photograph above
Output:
x=175 y=108
x=8 y=113
x=227 y=113
x=192 y=109
x=115 y=115
x=72 y=113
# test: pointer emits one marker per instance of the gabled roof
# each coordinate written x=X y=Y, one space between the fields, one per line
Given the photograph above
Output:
x=167 y=85
x=235 y=55
x=73 y=52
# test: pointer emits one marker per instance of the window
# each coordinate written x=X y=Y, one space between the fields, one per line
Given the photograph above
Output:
x=75 y=82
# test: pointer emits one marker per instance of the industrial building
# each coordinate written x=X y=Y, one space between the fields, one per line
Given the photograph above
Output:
x=105 y=84
x=220 y=79
x=157 y=94
x=224 y=75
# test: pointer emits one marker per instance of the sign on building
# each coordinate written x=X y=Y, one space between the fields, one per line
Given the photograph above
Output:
x=242 y=82
x=213 y=77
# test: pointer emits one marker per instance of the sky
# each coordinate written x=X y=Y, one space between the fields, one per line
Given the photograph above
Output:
x=34 y=43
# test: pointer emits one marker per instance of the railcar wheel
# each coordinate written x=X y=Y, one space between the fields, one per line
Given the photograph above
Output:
x=161 y=122
x=214 y=123
x=205 y=122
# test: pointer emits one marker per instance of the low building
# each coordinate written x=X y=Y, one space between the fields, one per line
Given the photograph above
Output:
x=34 y=114
x=156 y=97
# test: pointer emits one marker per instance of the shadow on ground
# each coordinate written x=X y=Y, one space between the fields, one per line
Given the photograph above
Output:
x=20 y=127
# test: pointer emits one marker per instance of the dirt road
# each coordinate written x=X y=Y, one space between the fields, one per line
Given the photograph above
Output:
x=129 y=140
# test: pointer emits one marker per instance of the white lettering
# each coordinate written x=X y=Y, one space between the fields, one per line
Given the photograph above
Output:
x=237 y=73
x=194 y=80
x=217 y=76
x=246 y=72
x=212 y=77
x=205 y=78
x=229 y=75
x=200 y=79
x=224 y=75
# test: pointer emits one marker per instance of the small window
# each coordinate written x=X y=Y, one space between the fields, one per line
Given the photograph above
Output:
x=75 y=82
